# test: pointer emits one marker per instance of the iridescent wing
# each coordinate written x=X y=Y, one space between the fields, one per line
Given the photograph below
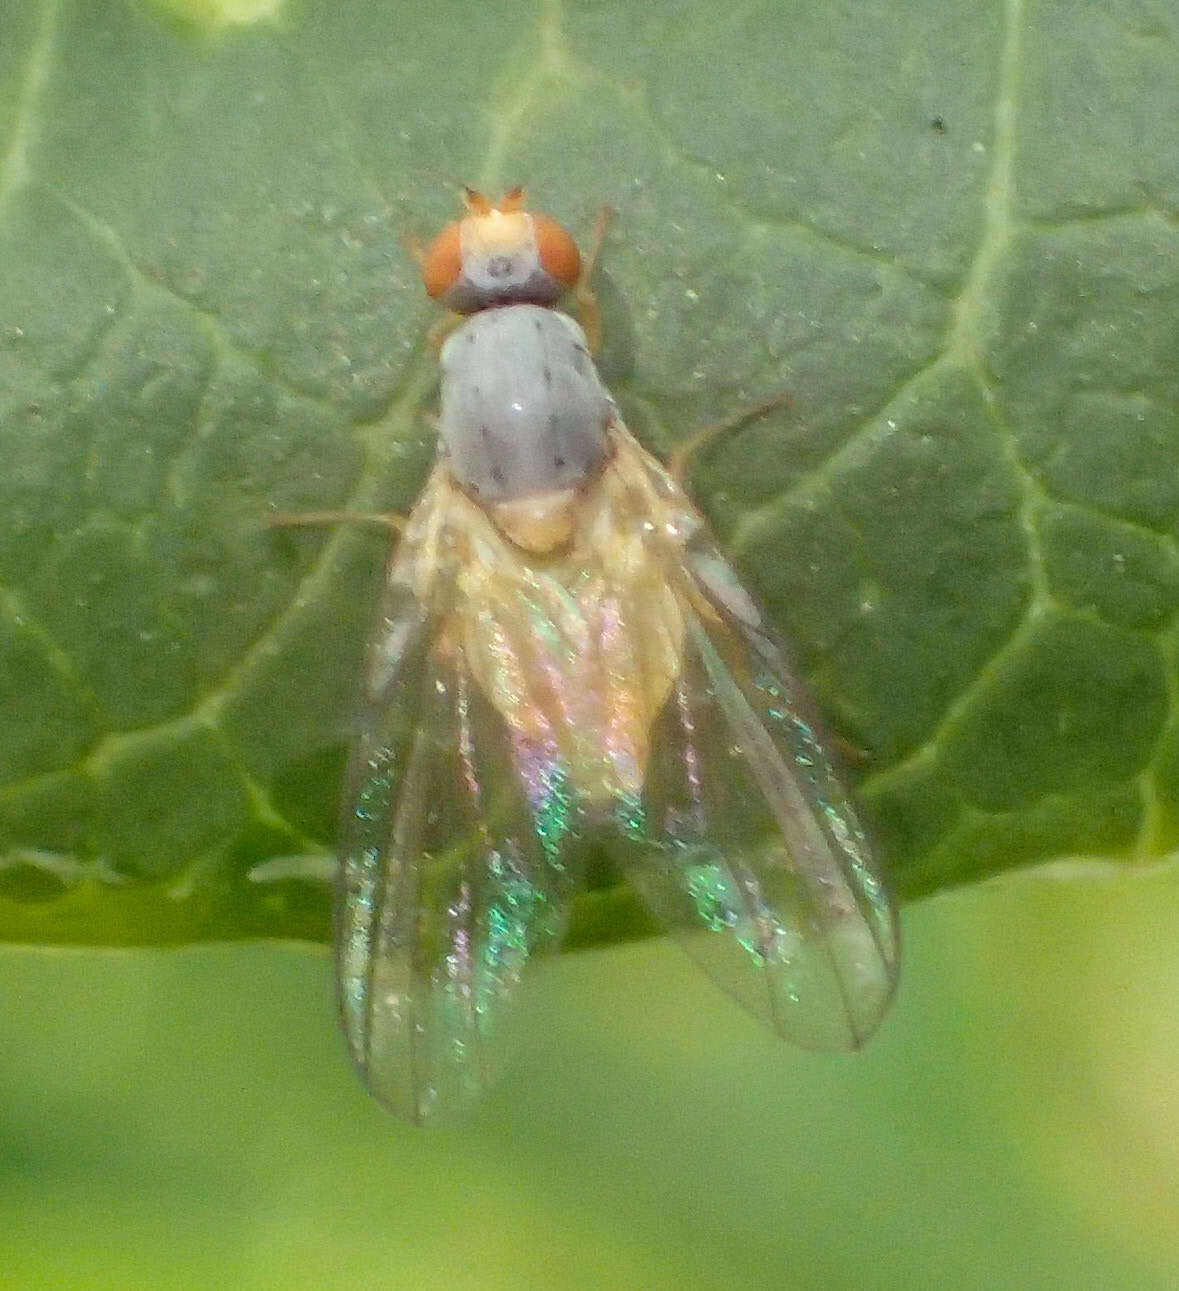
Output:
x=451 y=869
x=747 y=846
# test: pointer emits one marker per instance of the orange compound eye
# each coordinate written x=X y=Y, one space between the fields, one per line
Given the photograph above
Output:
x=442 y=263
x=557 y=251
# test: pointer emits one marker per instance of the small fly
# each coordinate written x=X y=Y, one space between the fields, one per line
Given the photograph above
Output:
x=563 y=653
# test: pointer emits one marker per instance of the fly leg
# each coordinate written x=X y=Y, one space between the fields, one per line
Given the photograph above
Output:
x=680 y=462
x=681 y=459
x=312 y=519
x=439 y=330
x=442 y=327
x=589 y=314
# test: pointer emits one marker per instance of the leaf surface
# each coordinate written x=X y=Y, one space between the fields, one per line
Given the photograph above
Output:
x=949 y=230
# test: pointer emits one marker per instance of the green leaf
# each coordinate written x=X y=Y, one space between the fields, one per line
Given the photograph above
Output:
x=949 y=230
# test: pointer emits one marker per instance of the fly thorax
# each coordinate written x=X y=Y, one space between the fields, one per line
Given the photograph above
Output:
x=540 y=524
x=523 y=411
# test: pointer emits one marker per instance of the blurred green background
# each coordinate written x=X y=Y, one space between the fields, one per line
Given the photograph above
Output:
x=187 y=1119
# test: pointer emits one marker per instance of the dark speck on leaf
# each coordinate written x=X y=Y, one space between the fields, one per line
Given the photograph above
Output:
x=548 y=376
x=939 y=124
x=497 y=475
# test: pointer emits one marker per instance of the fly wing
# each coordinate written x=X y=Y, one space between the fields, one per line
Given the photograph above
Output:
x=748 y=846
x=447 y=877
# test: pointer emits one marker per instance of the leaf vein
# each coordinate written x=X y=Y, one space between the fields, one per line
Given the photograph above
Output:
x=14 y=166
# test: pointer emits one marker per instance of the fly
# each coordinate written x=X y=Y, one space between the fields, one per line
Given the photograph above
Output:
x=564 y=652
